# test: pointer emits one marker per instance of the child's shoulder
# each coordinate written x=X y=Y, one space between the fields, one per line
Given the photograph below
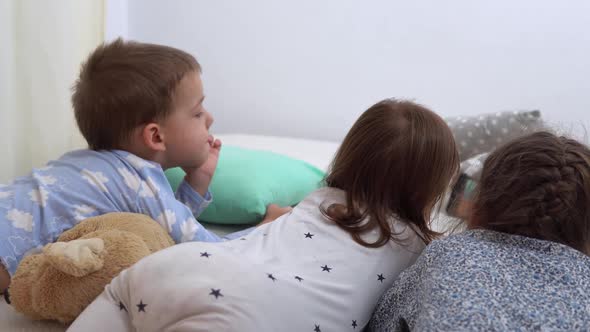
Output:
x=107 y=169
x=82 y=154
x=118 y=158
x=458 y=242
x=106 y=165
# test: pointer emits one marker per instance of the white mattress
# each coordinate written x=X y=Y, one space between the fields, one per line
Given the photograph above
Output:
x=11 y=320
x=315 y=152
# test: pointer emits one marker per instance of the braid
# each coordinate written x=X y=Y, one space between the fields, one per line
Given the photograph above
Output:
x=537 y=186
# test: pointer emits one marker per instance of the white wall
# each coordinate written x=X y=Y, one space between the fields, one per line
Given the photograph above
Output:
x=309 y=68
x=116 y=19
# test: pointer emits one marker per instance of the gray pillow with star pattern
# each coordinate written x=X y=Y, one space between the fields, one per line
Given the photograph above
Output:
x=485 y=132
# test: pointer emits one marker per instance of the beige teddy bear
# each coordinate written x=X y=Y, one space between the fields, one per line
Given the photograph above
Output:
x=62 y=280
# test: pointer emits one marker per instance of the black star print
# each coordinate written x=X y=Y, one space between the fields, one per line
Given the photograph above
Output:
x=354 y=324
x=141 y=306
x=326 y=268
x=122 y=307
x=308 y=235
x=299 y=278
x=317 y=329
x=216 y=292
x=380 y=277
x=271 y=277
x=205 y=254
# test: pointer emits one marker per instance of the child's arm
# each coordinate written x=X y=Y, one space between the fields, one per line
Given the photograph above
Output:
x=176 y=211
x=273 y=212
x=196 y=201
x=177 y=216
x=200 y=177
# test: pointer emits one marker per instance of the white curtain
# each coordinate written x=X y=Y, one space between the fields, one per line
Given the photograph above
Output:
x=42 y=44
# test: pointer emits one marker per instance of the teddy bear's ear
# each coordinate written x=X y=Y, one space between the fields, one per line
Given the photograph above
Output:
x=77 y=258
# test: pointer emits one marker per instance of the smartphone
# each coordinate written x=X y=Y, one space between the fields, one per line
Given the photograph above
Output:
x=462 y=195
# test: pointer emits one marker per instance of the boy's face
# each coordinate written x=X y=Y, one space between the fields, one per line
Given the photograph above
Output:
x=187 y=128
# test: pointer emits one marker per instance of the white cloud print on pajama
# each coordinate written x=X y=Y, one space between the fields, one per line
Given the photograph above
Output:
x=85 y=183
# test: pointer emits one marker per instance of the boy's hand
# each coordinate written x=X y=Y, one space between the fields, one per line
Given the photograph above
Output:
x=273 y=212
x=200 y=177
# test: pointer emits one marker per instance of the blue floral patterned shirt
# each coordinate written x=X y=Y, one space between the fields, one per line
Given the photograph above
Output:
x=482 y=280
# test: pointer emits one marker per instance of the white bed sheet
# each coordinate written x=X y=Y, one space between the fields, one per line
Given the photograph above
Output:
x=11 y=320
x=316 y=152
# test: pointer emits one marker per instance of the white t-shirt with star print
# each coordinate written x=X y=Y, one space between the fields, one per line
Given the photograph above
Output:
x=36 y=209
x=298 y=273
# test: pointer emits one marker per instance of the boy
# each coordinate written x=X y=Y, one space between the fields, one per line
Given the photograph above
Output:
x=140 y=108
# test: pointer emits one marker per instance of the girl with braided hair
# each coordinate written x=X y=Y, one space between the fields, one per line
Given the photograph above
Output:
x=524 y=262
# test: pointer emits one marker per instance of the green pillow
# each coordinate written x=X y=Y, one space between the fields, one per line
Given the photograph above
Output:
x=246 y=181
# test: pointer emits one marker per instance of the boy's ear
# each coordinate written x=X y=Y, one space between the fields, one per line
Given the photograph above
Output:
x=153 y=137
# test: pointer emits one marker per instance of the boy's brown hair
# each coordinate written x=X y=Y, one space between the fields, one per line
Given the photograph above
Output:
x=537 y=186
x=124 y=84
x=398 y=159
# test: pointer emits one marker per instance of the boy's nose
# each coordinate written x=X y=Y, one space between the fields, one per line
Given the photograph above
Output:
x=210 y=120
